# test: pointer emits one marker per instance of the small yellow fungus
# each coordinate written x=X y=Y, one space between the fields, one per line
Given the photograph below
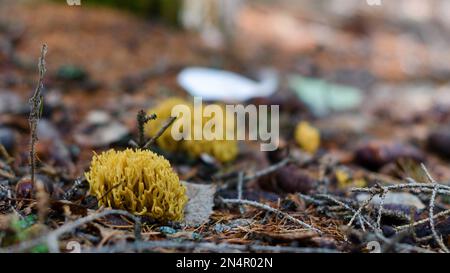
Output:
x=221 y=149
x=307 y=137
x=163 y=112
x=138 y=181
x=345 y=180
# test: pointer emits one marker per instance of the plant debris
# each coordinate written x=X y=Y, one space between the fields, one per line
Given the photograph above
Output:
x=361 y=162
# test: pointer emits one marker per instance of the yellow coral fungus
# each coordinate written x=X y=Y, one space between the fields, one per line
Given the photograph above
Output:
x=307 y=137
x=221 y=149
x=138 y=181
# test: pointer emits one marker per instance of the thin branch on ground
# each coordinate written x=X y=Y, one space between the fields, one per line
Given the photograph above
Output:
x=273 y=210
x=442 y=189
x=436 y=236
x=4 y=153
x=361 y=218
x=6 y=174
x=394 y=243
x=258 y=174
x=51 y=238
x=424 y=221
x=361 y=208
x=434 y=188
x=142 y=119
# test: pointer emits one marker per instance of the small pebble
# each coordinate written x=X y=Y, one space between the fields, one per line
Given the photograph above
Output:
x=167 y=230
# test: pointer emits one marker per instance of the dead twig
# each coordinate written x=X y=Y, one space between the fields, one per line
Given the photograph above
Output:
x=424 y=221
x=160 y=132
x=273 y=210
x=142 y=118
x=6 y=174
x=258 y=174
x=361 y=218
x=239 y=190
x=380 y=209
x=437 y=237
x=442 y=189
x=36 y=105
x=434 y=188
x=394 y=243
x=4 y=153
x=51 y=238
x=358 y=212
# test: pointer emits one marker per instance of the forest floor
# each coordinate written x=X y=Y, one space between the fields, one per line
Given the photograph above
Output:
x=381 y=173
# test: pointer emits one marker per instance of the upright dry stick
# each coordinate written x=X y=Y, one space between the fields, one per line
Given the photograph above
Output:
x=141 y=118
x=36 y=104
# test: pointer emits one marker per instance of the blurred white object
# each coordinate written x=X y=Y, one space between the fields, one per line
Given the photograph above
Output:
x=394 y=198
x=214 y=19
x=214 y=84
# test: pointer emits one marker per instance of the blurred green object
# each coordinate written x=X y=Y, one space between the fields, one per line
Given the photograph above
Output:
x=324 y=97
x=164 y=10
x=71 y=73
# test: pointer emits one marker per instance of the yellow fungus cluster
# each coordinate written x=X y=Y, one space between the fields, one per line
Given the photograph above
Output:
x=345 y=179
x=221 y=149
x=138 y=181
x=307 y=137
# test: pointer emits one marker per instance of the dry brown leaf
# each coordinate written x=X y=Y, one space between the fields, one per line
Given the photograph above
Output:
x=200 y=204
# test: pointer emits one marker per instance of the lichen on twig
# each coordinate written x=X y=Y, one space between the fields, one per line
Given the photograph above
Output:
x=433 y=187
x=436 y=237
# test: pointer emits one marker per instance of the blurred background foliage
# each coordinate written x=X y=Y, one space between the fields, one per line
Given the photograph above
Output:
x=165 y=10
